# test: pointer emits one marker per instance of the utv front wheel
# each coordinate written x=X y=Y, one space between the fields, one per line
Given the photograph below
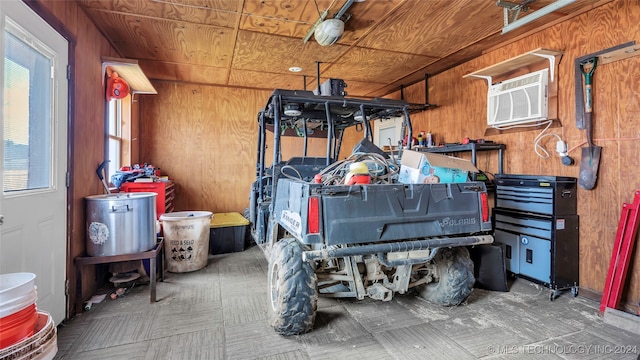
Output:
x=454 y=270
x=292 y=289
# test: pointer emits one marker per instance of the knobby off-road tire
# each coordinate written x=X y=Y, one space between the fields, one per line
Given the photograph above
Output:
x=293 y=289
x=455 y=270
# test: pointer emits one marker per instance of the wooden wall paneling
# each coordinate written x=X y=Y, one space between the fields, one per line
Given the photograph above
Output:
x=88 y=131
x=627 y=115
x=599 y=208
x=608 y=117
x=205 y=138
x=291 y=146
x=461 y=113
x=166 y=141
x=350 y=138
x=233 y=112
x=88 y=142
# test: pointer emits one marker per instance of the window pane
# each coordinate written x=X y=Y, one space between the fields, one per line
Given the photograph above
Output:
x=27 y=117
x=114 y=156
x=113 y=117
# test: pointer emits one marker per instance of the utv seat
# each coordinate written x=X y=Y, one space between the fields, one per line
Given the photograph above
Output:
x=308 y=167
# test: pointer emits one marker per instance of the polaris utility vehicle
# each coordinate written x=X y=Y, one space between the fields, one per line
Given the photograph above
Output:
x=325 y=234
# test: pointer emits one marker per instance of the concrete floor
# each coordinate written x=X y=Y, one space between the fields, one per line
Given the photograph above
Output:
x=220 y=312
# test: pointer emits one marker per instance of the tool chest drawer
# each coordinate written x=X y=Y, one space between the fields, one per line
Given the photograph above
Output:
x=519 y=224
x=551 y=195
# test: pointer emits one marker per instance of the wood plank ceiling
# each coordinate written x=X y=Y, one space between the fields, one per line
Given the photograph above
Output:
x=253 y=43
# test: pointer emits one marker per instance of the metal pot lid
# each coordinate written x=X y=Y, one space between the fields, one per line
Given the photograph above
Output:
x=122 y=196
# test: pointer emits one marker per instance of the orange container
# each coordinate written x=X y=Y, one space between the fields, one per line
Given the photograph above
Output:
x=17 y=326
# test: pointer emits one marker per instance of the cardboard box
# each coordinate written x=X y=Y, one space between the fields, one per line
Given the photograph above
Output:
x=424 y=167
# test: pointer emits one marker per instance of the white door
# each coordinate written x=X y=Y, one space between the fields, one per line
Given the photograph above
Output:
x=34 y=161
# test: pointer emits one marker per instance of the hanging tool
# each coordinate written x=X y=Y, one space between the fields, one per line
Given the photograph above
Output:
x=590 y=160
x=578 y=77
x=101 y=172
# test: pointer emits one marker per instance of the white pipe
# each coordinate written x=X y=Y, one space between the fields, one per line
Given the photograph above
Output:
x=536 y=15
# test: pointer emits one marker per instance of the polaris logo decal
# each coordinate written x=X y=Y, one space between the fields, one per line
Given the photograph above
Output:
x=291 y=220
x=457 y=222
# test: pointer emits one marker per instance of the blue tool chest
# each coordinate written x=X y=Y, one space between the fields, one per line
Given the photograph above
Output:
x=536 y=225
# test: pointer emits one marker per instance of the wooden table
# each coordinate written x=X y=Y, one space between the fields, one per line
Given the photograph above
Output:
x=152 y=255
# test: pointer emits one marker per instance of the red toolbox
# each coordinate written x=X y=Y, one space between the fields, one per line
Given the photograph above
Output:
x=164 y=189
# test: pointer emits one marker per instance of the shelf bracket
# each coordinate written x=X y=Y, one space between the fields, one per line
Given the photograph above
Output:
x=511 y=10
x=488 y=78
x=517 y=62
x=552 y=63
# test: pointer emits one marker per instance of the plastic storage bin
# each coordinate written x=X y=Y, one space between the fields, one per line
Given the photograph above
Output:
x=227 y=233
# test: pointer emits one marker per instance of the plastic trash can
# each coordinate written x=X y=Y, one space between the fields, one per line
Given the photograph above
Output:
x=186 y=240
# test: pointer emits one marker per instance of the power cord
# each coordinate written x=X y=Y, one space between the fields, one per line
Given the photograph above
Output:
x=538 y=148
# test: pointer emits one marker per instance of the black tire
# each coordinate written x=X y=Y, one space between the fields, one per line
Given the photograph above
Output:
x=293 y=290
x=455 y=283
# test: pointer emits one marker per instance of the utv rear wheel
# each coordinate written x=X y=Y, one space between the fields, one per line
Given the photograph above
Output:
x=455 y=272
x=292 y=289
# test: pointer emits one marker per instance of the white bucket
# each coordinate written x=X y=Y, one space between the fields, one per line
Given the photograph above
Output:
x=18 y=303
x=186 y=240
x=15 y=285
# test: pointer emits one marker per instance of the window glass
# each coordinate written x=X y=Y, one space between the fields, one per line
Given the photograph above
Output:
x=114 y=135
x=27 y=162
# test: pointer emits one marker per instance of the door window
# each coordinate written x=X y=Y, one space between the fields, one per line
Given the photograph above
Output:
x=27 y=120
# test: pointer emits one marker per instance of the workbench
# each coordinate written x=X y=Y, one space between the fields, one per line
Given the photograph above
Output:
x=152 y=255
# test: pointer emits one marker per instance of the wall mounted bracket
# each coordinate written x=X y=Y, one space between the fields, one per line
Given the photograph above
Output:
x=605 y=56
x=519 y=62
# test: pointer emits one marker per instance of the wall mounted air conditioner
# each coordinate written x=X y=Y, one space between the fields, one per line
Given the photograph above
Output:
x=519 y=100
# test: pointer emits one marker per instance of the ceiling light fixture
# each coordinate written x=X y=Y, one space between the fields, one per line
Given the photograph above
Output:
x=357 y=116
x=292 y=110
x=329 y=31
x=295 y=69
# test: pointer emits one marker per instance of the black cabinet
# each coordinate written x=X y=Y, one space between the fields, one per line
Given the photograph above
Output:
x=537 y=227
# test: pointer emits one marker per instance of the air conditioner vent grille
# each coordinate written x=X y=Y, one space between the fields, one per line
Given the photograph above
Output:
x=519 y=100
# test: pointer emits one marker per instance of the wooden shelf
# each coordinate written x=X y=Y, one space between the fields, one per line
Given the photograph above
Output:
x=517 y=63
x=509 y=68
